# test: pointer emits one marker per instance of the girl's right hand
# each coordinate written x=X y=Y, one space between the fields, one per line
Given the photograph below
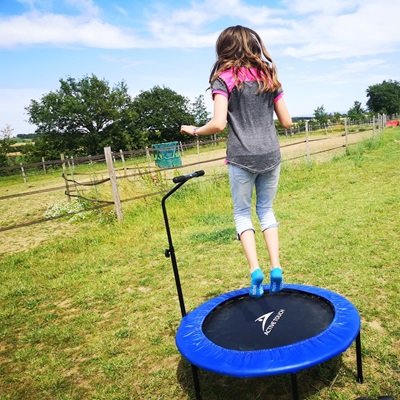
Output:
x=188 y=129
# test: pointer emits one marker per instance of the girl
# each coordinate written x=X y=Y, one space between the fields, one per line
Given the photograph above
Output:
x=246 y=92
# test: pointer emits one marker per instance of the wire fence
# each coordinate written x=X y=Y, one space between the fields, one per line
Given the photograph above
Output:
x=43 y=167
x=82 y=182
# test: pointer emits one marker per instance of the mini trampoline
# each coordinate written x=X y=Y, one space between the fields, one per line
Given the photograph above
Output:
x=236 y=335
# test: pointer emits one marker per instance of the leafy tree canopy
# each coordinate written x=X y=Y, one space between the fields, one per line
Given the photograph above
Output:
x=356 y=113
x=161 y=112
x=5 y=144
x=321 y=115
x=384 y=98
x=82 y=117
x=200 y=113
x=335 y=117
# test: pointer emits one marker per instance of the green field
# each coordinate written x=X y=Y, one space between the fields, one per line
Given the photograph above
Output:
x=93 y=315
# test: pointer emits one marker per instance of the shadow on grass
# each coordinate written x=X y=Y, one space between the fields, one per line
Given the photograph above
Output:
x=220 y=387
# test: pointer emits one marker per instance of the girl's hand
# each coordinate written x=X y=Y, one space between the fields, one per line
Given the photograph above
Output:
x=188 y=129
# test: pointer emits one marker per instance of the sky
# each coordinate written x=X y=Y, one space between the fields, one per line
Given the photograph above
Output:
x=327 y=52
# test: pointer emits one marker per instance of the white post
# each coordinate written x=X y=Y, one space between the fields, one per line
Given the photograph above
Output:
x=93 y=177
x=181 y=147
x=307 y=145
x=148 y=157
x=373 y=127
x=44 y=166
x=23 y=172
x=123 y=160
x=65 y=176
x=113 y=180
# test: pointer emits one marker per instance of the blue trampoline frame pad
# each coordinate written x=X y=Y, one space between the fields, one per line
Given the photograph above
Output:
x=334 y=340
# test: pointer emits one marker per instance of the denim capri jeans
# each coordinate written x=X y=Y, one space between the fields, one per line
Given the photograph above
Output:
x=242 y=183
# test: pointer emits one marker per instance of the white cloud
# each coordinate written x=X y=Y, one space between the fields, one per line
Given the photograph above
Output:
x=87 y=7
x=354 y=28
x=59 y=30
x=121 y=10
x=254 y=15
x=366 y=66
x=329 y=29
x=332 y=29
x=179 y=28
x=188 y=27
x=202 y=13
x=346 y=73
x=332 y=7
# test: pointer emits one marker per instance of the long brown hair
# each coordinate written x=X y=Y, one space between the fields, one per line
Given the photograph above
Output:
x=239 y=47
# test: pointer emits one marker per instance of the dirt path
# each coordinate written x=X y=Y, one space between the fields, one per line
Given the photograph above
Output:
x=321 y=148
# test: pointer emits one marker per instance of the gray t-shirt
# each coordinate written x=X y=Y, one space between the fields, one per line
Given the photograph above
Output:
x=252 y=141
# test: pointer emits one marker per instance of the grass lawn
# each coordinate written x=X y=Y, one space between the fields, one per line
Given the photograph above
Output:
x=94 y=316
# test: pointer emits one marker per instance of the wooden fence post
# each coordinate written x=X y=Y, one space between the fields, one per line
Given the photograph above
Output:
x=113 y=180
x=65 y=175
x=123 y=160
x=379 y=123
x=23 y=172
x=307 y=145
x=93 y=177
x=44 y=166
x=373 y=127
x=148 y=157
x=346 y=132
x=71 y=171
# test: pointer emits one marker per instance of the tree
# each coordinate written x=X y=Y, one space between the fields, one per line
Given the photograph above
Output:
x=356 y=113
x=199 y=110
x=321 y=115
x=336 y=117
x=384 y=98
x=161 y=112
x=82 y=117
x=5 y=144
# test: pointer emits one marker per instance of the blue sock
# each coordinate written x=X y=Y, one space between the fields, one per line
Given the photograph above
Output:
x=276 y=280
x=256 y=288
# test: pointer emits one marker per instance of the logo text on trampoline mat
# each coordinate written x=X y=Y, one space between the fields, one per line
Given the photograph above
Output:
x=264 y=318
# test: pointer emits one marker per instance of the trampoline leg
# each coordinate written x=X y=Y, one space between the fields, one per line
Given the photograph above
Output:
x=360 y=378
x=196 y=384
x=294 y=387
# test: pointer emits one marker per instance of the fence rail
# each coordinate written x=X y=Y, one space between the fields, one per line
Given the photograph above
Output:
x=376 y=123
x=150 y=171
